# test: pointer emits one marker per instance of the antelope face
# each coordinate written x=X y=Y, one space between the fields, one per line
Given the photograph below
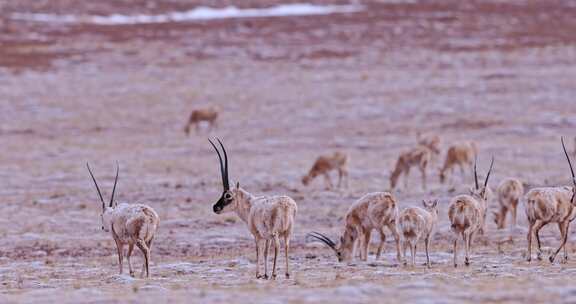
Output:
x=107 y=219
x=106 y=215
x=227 y=199
x=431 y=206
x=225 y=203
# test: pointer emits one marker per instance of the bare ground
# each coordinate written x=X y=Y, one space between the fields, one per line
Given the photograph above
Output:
x=498 y=73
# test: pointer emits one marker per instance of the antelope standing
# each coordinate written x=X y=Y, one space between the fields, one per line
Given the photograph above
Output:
x=372 y=211
x=209 y=114
x=466 y=214
x=509 y=192
x=130 y=224
x=326 y=163
x=461 y=155
x=550 y=205
x=269 y=218
x=416 y=223
x=420 y=157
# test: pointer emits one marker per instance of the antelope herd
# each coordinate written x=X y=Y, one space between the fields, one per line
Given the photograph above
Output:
x=271 y=219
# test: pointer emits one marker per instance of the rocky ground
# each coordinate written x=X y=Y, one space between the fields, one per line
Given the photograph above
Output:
x=499 y=73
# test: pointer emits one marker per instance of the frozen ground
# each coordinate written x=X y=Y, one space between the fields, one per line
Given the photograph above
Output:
x=499 y=73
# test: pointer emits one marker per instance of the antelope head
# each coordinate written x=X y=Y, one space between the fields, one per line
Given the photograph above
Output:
x=571 y=171
x=227 y=201
x=345 y=249
x=431 y=206
x=481 y=192
x=106 y=210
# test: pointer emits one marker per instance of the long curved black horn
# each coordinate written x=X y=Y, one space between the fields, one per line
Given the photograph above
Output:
x=227 y=180
x=475 y=173
x=571 y=168
x=96 y=184
x=224 y=182
x=324 y=239
x=115 y=182
x=489 y=171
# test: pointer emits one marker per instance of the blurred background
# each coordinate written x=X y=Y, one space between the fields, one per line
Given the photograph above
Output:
x=99 y=81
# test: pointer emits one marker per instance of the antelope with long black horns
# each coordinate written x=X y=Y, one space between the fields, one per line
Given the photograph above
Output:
x=377 y=210
x=130 y=224
x=269 y=218
x=546 y=205
x=467 y=214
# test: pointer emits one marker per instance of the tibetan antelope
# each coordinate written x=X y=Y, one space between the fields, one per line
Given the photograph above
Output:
x=461 y=155
x=130 y=224
x=326 y=163
x=269 y=218
x=415 y=223
x=420 y=157
x=509 y=192
x=432 y=142
x=466 y=214
x=550 y=205
x=209 y=114
x=372 y=211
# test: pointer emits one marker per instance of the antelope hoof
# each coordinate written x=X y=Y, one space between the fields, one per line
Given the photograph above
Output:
x=287 y=275
x=467 y=262
x=551 y=259
x=539 y=257
x=455 y=265
x=132 y=274
x=528 y=259
x=265 y=277
x=273 y=276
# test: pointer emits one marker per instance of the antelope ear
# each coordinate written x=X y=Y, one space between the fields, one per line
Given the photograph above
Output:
x=237 y=185
x=424 y=203
x=435 y=203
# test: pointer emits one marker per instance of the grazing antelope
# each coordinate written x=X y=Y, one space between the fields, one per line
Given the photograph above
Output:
x=459 y=154
x=416 y=223
x=509 y=192
x=131 y=224
x=466 y=214
x=326 y=163
x=269 y=218
x=419 y=156
x=550 y=205
x=372 y=211
x=197 y=116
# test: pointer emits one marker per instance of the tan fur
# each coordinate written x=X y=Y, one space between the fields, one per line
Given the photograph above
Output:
x=431 y=142
x=420 y=157
x=416 y=223
x=209 y=114
x=461 y=155
x=372 y=211
x=509 y=192
x=548 y=205
x=326 y=163
x=132 y=224
x=465 y=213
x=269 y=218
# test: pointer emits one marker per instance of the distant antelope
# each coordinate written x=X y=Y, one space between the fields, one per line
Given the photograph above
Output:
x=372 y=211
x=419 y=156
x=326 y=163
x=131 y=224
x=197 y=116
x=269 y=218
x=458 y=155
x=509 y=193
x=432 y=142
x=466 y=214
x=550 y=205
x=416 y=223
